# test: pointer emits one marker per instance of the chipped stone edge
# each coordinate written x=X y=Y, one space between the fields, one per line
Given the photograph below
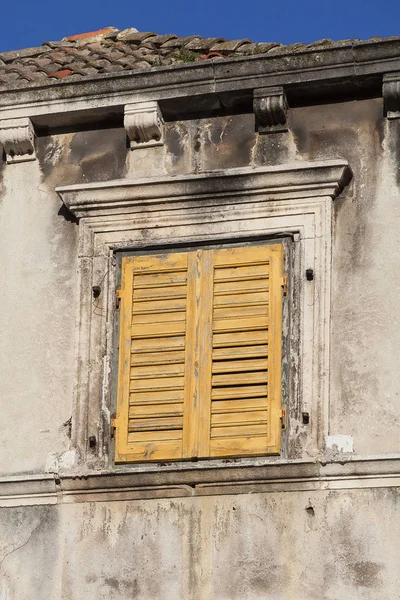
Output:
x=339 y=443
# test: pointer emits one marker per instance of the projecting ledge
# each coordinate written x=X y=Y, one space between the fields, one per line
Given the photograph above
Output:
x=262 y=475
x=295 y=180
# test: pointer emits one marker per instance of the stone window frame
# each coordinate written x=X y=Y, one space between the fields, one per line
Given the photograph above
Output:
x=241 y=204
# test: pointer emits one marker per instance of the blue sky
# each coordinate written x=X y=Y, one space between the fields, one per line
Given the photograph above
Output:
x=27 y=23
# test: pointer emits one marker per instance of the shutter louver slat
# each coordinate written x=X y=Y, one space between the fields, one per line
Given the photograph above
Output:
x=239 y=352
x=235 y=366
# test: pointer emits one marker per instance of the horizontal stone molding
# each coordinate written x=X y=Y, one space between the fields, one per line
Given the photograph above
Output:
x=17 y=138
x=203 y=479
x=144 y=124
x=347 y=62
x=270 y=108
x=301 y=179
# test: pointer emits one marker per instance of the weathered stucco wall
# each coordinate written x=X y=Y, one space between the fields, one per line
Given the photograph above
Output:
x=302 y=545
x=365 y=333
x=38 y=305
x=298 y=546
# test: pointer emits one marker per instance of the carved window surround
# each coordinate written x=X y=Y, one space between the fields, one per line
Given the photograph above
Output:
x=239 y=204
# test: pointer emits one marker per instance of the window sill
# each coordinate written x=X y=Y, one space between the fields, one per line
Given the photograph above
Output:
x=264 y=475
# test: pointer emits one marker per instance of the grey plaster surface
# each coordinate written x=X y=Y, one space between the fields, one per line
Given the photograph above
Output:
x=301 y=546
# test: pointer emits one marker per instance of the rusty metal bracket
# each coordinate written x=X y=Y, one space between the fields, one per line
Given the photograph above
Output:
x=284 y=284
x=118 y=296
x=283 y=418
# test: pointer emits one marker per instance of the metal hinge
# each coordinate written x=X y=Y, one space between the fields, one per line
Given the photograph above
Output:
x=118 y=296
x=284 y=284
x=113 y=426
x=283 y=418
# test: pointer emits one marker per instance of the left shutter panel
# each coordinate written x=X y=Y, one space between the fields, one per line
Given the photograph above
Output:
x=151 y=388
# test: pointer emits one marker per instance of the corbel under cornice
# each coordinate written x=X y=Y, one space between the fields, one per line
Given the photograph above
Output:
x=17 y=138
x=391 y=95
x=144 y=124
x=270 y=108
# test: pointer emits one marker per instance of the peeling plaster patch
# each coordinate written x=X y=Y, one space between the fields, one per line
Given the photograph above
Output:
x=49 y=153
x=2 y=165
x=105 y=411
x=178 y=148
x=227 y=142
x=106 y=372
x=339 y=443
x=61 y=461
x=100 y=154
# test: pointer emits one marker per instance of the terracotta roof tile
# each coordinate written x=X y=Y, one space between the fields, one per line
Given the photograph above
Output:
x=91 y=34
x=224 y=46
x=202 y=44
x=137 y=36
x=246 y=49
x=61 y=74
x=18 y=54
x=265 y=47
x=173 y=43
x=110 y=51
x=10 y=77
x=159 y=40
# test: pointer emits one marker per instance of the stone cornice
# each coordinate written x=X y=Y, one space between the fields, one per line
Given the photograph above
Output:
x=202 y=479
x=301 y=179
x=348 y=61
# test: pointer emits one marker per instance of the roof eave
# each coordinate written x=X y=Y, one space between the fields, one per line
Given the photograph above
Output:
x=214 y=76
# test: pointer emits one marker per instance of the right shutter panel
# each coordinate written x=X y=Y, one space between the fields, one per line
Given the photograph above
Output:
x=246 y=351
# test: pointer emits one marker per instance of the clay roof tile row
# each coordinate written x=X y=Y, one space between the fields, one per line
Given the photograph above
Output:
x=110 y=50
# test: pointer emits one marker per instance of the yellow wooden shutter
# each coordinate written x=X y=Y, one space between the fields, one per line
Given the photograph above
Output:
x=200 y=354
x=152 y=357
x=246 y=351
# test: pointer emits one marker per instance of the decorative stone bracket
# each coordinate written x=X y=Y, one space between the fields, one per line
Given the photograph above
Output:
x=144 y=124
x=391 y=95
x=17 y=138
x=270 y=107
